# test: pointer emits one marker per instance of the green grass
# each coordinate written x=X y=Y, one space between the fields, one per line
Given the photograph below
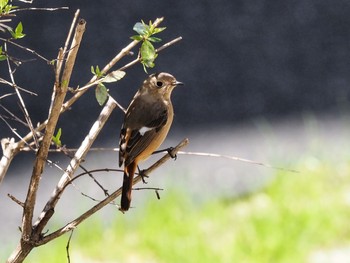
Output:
x=295 y=215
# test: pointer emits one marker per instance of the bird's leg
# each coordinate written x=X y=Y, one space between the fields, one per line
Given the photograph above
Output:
x=169 y=150
x=142 y=174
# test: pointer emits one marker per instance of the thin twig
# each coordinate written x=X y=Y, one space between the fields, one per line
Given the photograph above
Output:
x=138 y=59
x=69 y=36
x=26 y=49
x=14 y=199
x=71 y=156
x=202 y=154
x=68 y=244
x=147 y=188
x=14 y=117
x=39 y=9
x=170 y=43
x=7 y=95
x=15 y=132
x=24 y=108
x=26 y=1
x=237 y=159
x=21 y=89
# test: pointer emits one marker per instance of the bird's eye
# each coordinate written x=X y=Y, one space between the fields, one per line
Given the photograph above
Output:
x=159 y=84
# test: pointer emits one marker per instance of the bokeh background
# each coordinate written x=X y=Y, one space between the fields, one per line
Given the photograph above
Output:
x=264 y=80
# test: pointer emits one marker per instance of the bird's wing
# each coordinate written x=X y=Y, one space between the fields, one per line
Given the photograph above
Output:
x=140 y=127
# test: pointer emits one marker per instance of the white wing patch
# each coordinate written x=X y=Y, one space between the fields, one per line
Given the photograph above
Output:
x=144 y=129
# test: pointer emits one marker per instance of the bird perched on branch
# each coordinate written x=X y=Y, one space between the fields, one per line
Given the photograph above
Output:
x=146 y=124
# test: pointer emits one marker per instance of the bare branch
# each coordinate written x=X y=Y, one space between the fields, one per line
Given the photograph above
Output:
x=138 y=59
x=69 y=36
x=25 y=111
x=26 y=49
x=74 y=164
x=13 y=116
x=202 y=154
x=52 y=121
x=14 y=199
x=170 y=43
x=14 y=132
x=7 y=95
x=26 y=1
x=3 y=26
x=39 y=9
x=68 y=244
x=12 y=85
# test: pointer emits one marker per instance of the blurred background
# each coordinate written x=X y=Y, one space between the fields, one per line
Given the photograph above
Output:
x=264 y=80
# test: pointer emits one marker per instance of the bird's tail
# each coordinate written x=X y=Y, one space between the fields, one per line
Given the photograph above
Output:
x=129 y=172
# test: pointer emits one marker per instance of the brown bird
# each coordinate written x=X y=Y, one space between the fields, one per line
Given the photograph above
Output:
x=146 y=124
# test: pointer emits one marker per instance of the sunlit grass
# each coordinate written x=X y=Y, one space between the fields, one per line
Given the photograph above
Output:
x=295 y=215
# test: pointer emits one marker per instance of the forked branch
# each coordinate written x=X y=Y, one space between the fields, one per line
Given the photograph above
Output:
x=73 y=224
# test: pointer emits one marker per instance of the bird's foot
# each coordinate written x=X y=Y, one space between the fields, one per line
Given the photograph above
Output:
x=170 y=152
x=143 y=176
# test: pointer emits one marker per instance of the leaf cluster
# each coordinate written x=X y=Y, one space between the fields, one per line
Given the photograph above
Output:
x=101 y=92
x=146 y=35
x=18 y=33
x=147 y=53
x=5 y=10
x=5 y=7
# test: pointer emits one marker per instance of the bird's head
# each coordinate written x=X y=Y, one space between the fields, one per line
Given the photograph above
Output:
x=161 y=83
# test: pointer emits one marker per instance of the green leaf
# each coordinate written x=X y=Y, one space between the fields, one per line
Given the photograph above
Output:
x=3 y=57
x=148 y=51
x=140 y=28
x=148 y=54
x=96 y=71
x=101 y=93
x=113 y=76
x=3 y=3
x=18 y=33
x=93 y=70
x=57 y=138
x=137 y=37
x=154 y=39
x=158 y=30
x=8 y=8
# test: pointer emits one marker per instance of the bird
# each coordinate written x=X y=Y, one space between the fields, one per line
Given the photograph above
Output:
x=147 y=121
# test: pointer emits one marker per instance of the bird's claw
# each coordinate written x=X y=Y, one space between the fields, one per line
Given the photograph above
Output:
x=170 y=152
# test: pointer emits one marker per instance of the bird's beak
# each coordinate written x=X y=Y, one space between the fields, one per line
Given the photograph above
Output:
x=179 y=83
